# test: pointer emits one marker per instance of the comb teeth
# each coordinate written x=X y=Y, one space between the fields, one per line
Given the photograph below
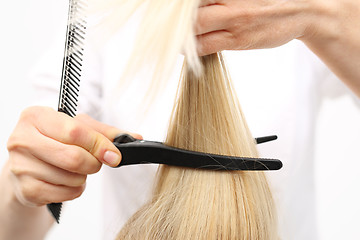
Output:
x=55 y=209
x=73 y=57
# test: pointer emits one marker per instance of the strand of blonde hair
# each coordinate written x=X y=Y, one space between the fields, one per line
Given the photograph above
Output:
x=202 y=204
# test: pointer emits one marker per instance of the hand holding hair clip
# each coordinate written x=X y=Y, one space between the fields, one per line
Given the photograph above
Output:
x=136 y=151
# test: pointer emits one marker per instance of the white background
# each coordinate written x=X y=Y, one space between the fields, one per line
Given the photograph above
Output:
x=29 y=27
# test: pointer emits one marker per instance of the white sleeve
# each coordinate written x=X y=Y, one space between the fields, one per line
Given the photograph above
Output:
x=45 y=80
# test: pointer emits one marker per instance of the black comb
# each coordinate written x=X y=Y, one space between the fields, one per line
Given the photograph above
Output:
x=71 y=71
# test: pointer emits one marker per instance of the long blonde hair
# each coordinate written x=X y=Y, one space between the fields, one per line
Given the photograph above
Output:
x=193 y=203
x=202 y=204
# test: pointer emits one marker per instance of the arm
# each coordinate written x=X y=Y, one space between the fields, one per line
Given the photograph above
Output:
x=330 y=28
x=334 y=36
x=50 y=156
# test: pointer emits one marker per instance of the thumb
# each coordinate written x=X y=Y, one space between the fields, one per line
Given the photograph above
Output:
x=108 y=131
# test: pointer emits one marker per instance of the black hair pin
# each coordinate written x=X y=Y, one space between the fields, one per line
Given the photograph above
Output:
x=136 y=151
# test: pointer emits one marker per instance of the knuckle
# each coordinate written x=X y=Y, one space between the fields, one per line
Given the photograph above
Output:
x=246 y=15
x=75 y=132
x=95 y=167
x=75 y=192
x=79 y=192
x=18 y=140
x=24 y=130
x=31 y=113
x=75 y=155
x=17 y=166
x=15 y=141
x=236 y=42
x=73 y=161
x=79 y=180
x=82 y=179
x=30 y=192
x=16 y=169
x=28 y=113
x=95 y=145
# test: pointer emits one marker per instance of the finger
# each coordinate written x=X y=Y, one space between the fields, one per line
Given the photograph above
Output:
x=214 y=42
x=209 y=2
x=25 y=165
x=68 y=157
x=33 y=192
x=212 y=18
x=65 y=129
x=108 y=131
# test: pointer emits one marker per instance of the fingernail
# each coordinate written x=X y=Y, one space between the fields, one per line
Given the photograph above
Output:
x=111 y=158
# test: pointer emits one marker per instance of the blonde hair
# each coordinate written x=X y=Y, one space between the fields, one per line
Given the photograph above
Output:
x=193 y=203
x=202 y=204
x=164 y=30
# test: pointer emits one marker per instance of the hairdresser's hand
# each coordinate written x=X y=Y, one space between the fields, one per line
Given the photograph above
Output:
x=50 y=155
x=330 y=28
x=244 y=24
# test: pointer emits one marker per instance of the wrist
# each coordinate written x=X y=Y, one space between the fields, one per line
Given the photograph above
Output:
x=18 y=221
x=322 y=22
x=9 y=199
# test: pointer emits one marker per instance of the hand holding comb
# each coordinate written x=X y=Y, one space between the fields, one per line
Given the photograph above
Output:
x=70 y=79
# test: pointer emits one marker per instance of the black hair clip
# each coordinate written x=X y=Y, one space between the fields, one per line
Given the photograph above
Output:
x=136 y=151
